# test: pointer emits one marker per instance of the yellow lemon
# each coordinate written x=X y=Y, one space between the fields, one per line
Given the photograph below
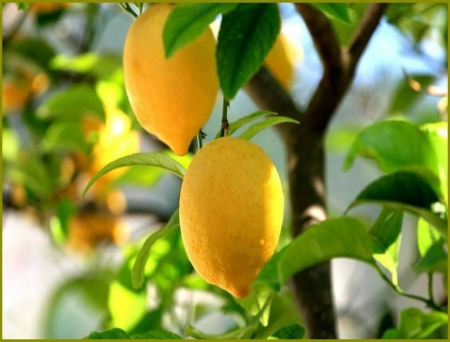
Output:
x=171 y=98
x=231 y=213
x=281 y=61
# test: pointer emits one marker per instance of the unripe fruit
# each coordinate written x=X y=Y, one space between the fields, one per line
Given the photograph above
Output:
x=171 y=98
x=231 y=213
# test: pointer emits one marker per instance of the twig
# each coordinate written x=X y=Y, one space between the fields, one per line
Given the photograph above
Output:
x=224 y=125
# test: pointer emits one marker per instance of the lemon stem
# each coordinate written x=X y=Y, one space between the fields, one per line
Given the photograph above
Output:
x=200 y=137
x=127 y=8
x=225 y=126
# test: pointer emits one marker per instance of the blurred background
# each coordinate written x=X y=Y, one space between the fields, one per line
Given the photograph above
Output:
x=66 y=261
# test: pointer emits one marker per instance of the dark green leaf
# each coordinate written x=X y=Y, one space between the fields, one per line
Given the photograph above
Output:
x=113 y=334
x=156 y=335
x=266 y=123
x=234 y=126
x=405 y=191
x=156 y=159
x=338 y=11
x=387 y=227
x=72 y=103
x=188 y=21
x=290 y=332
x=239 y=333
x=435 y=260
x=405 y=97
x=349 y=237
x=137 y=273
x=245 y=38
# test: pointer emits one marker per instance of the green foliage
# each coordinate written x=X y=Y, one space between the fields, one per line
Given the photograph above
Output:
x=350 y=240
x=266 y=123
x=144 y=253
x=119 y=334
x=406 y=191
x=337 y=11
x=416 y=324
x=291 y=332
x=188 y=21
x=156 y=159
x=245 y=38
x=234 y=126
x=66 y=103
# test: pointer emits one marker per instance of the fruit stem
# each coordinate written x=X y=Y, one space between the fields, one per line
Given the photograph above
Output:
x=225 y=126
x=127 y=8
x=200 y=136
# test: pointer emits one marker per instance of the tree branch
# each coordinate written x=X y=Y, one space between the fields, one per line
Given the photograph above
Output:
x=306 y=153
x=325 y=39
x=364 y=32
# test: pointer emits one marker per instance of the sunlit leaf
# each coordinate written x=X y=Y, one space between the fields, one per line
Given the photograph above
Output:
x=266 y=123
x=155 y=159
x=144 y=253
x=338 y=11
x=234 y=126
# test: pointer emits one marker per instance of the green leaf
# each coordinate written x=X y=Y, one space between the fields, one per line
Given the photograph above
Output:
x=137 y=272
x=188 y=21
x=427 y=236
x=414 y=152
x=113 y=334
x=290 y=332
x=435 y=260
x=386 y=234
x=258 y=302
x=349 y=237
x=245 y=38
x=72 y=103
x=63 y=136
x=23 y=6
x=269 y=273
x=156 y=159
x=338 y=11
x=157 y=335
x=406 y=191
x=98 y=65
x=387 y=227
x=266 y=123
x=416 y=324
x=234 y=126
x=283 y=312
x=437 y=134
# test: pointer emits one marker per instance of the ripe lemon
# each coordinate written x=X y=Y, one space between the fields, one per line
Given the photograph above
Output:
x=281 y=61
x=116 y=139
x=231 y=212
x=171 y=98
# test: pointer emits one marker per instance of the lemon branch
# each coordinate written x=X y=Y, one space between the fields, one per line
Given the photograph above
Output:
x=225 y=125
x=127 y=8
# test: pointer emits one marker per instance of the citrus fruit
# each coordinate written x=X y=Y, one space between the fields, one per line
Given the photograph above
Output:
x=281 y=61
x=172 y=98
x=231 y=212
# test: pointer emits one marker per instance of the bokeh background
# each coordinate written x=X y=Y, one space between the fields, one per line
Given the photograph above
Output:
x=61 y=255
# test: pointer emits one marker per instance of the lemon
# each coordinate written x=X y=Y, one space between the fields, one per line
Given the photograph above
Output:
x=281 y=61
x=231 y=213
x=171 y=98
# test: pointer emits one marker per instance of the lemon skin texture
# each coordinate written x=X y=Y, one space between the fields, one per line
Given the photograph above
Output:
x=231 y=213
x=171 y=98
